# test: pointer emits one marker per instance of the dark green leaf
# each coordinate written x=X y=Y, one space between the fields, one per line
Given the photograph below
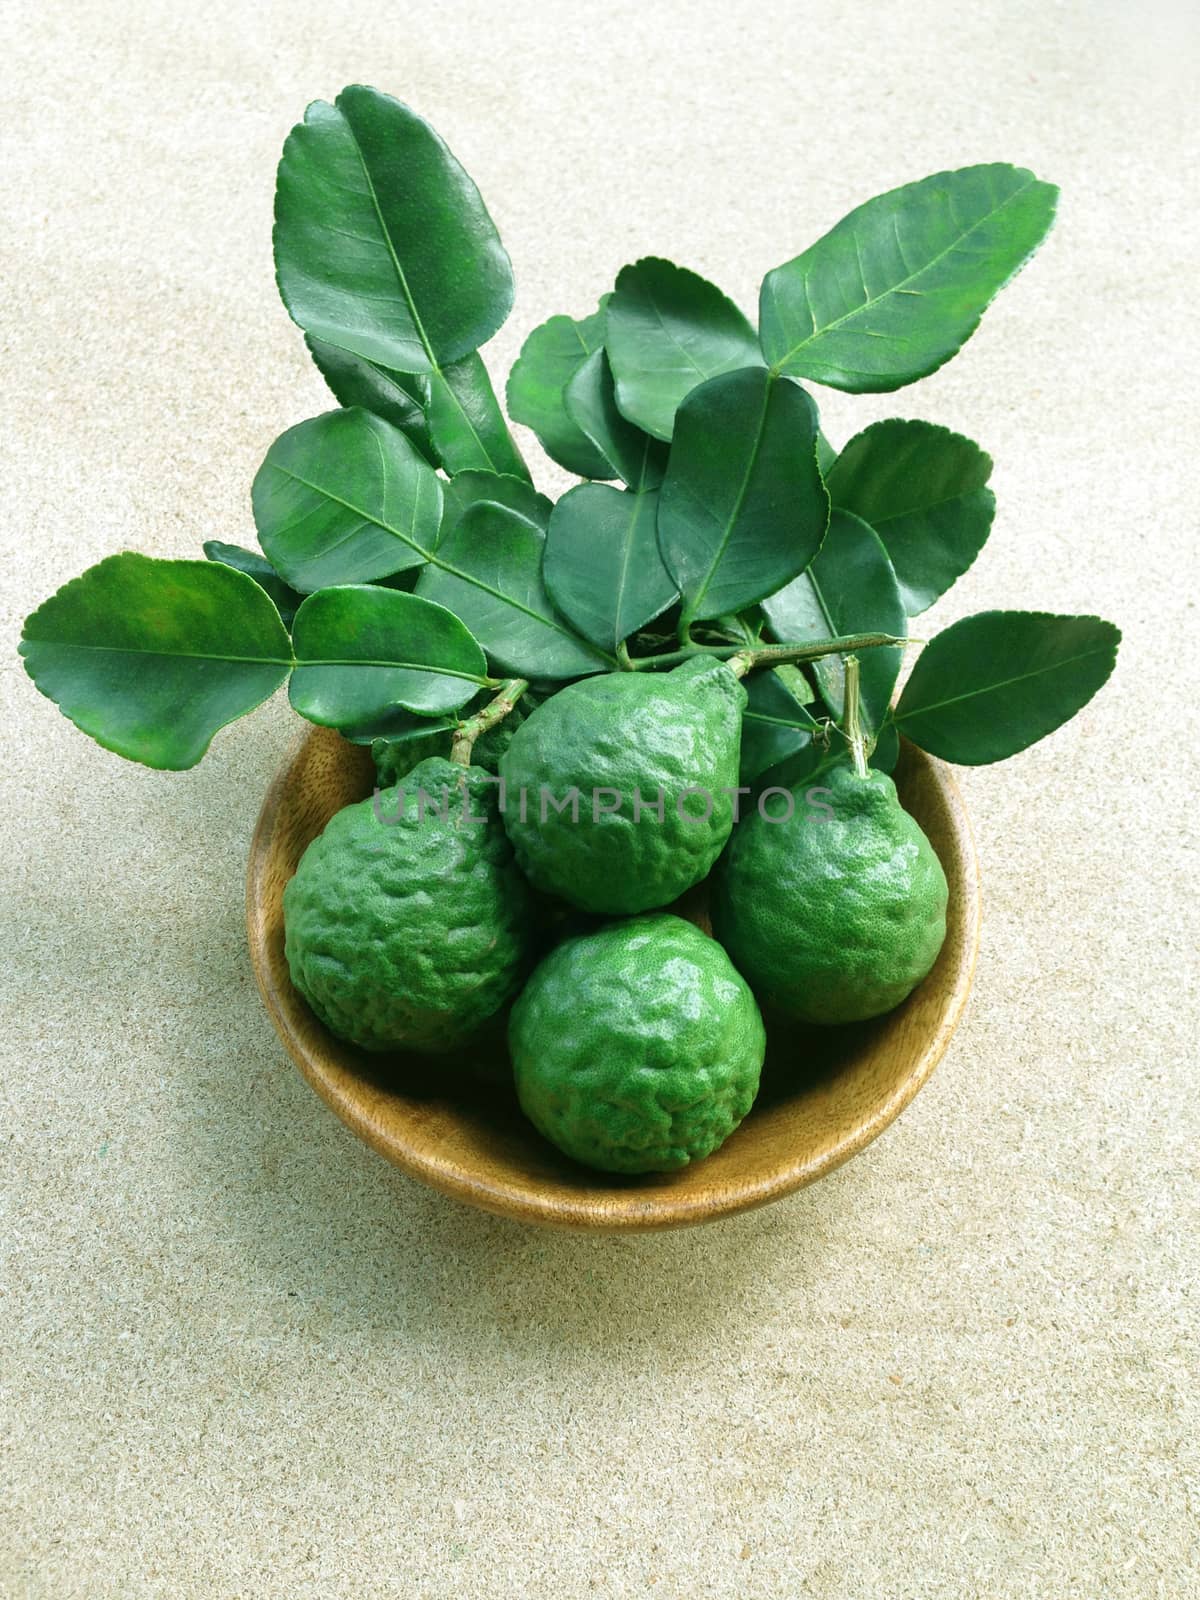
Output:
x=260 y=569
x=849 y=588
x=394 y=724
x=668 y=330
x=361 y=651
x=151 y=657
x=549 y=359
x=602 y=564
x=887 y=748
x=343 y=498
x=383 y=246
x=629 y=454
x=473 y=488
x=398 y=397
x=826 y=454
x=921 y=488
x=995 y=683
x=488 y=569
x=743 y=509
x=397 y=753
x=468 y=427
x=898 y=286
x=775 y=725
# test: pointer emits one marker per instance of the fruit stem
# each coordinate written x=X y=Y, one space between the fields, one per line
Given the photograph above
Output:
x=623 y=658
x=851 y=717
x=495 y=711
x=744 y=660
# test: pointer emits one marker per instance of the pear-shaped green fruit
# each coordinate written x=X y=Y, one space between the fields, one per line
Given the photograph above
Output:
x=619 y=791
x=407 y=924
x=637 y=1048
x=836 y=911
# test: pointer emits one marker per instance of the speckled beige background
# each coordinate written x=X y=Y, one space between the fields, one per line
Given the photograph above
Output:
x=240 y=1356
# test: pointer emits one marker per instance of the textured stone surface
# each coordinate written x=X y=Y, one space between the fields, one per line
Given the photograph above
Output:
x=241 y=1357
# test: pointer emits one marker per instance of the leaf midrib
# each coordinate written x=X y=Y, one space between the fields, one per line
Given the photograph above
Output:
x=901 y=285
x=691 y=610
x=391 y=249
x=994 y=688
x=293 y=662
x=431 y=557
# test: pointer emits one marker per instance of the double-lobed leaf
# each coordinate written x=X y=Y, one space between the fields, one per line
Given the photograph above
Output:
x=537 y=386
x=898 y=286
x=626 y=451
x=488 y=569
x=345 y=498
x=669 y=330
x=363 y=651
x=742 y=509
x=995 y=683
x=923 y=490
x=151 y=657
x=383 y=246
x=602 y=565
x=849 y=588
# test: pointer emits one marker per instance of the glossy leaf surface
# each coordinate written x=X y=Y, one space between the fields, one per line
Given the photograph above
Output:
x=488 y=570
x=151 y=657
x=344 y=498
x=603 y=569
x=362 y=651
x=398 y=397
x=997 y=682
x=742 y=509
x=260 y=569
x=383 y=246
x=628 y=453
x=537 y=384
x=468 y=428
x=775 y=723
x=898 y=286
x=467 y=489
x=849 y=588
x=668 y=331
x=922 y=488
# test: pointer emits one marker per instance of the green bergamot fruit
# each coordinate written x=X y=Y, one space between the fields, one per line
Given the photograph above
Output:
x=831 y=918
x=637 y=1048
x=407 y=923
x=587 y=775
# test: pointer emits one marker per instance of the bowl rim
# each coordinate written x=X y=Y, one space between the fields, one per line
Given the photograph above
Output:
x=602 y=1209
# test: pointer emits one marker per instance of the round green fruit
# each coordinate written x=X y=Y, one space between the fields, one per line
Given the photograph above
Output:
x=407 y=924
x=831 y=918
x=587 y=775
x=637 y=1048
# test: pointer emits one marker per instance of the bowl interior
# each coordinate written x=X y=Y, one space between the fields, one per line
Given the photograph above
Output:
x=455 y=1123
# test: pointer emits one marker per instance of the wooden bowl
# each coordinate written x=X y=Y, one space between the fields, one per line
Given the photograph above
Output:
x=456 y=1125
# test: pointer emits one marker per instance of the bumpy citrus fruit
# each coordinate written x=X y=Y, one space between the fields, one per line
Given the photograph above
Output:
x=407 y=923
x=618 y=790
x=637 y=1048
x=832 y=919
